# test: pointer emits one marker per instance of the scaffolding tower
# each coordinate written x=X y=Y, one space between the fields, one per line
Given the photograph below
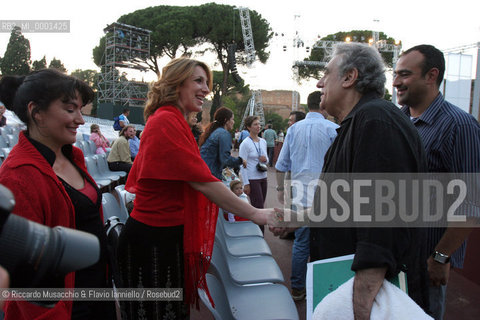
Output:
x=254 y=108
x=247 y=34
x=126 y=46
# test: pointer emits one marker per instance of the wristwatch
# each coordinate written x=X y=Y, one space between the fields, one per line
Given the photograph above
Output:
x=280 y=188
x=440 y=257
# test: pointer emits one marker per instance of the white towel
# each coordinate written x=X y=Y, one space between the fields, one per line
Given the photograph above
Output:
x=390 y=303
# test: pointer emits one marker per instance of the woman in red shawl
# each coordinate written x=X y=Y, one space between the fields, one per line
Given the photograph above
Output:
x=168 y=239
x=51 y=185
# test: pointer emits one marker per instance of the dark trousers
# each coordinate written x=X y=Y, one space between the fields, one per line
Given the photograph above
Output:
x=258 y=193
x=120 y=166
x=270 y=152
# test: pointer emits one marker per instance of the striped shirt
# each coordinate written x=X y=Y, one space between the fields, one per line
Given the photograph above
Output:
x=451 y=138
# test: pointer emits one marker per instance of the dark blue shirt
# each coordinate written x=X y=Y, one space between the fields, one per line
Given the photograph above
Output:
x=451 y=138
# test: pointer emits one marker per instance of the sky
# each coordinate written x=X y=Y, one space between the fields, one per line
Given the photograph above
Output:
x=444 y=24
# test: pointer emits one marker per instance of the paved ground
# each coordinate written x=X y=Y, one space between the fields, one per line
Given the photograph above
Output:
x=463 y=296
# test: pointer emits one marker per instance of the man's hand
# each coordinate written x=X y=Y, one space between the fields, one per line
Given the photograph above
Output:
x=244 y=163
x=262 y=159
x=277 y=231
x=438 y=272
x=366 y=285
x=246 y=189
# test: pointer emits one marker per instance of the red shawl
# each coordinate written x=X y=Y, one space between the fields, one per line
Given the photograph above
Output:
x=168 y=151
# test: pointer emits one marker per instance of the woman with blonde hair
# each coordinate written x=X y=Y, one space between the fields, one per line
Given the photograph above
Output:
x=168 y=239
x=99 y=139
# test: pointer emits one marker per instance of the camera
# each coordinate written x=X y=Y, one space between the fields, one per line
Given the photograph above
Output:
x=33 y=253
x=262 y=167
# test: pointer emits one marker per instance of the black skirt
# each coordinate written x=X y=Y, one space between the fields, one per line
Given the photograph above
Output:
x=151 y=257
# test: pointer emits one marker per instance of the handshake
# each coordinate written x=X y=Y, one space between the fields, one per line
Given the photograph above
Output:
x=281 y=221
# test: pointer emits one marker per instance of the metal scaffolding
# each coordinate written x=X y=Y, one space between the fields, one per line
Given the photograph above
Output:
x=126 y=46
x=247 y=34
x=254 y=108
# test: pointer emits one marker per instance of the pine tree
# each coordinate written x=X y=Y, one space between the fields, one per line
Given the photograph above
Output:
x=16 y=60
x=39 y=64
x=57 y=64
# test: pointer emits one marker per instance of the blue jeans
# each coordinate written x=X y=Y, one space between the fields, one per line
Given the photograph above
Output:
x=437 y=301
x=300 y=254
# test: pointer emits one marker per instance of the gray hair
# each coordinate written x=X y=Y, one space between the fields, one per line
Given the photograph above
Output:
x=369 y=63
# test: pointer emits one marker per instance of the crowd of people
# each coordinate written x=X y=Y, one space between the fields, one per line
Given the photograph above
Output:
x=175 y=169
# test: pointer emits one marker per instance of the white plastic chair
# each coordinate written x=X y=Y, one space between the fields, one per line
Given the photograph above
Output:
x=242 y=246
x=111 y=208
x=93 y=171
x=248 y=270
x=263 y=301
x=239 y=228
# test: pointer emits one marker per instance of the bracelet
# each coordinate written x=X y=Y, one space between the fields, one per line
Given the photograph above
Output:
x=279 y=188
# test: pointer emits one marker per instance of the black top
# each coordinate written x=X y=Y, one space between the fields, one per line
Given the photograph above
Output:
x=375 y=137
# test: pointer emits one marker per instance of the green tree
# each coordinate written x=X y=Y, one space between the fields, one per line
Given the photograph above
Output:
x=320 y=54
x=229 y=99
x=178 y=30
x=90 y=77
x=16 y=60
x=39 y=64
x=99 y=53
x=275 y=119
x=57 y=64
x=172 y=34
x=223 y=28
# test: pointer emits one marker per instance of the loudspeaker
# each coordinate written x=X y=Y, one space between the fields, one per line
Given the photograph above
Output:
x=232 y=63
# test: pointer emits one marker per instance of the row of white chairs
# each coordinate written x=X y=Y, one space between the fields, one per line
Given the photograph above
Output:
x=244 y=280
x=97 y=166
x=8 y=139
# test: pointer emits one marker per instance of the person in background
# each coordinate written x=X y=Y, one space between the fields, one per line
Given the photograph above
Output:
x=193 y=123
x=216 y=143
x=451 y=138
x=99 y=139
x=51 y=185
x=270 y=136
x=295 y=116
x=123 y=118
x=237 y=187
x=168 y=239
x=3 y=119
x=280 y=136
x=119 y=158
x=236 y=139
x=134 y=144
x=302 y=154
x=243 y=134
x=254 y=175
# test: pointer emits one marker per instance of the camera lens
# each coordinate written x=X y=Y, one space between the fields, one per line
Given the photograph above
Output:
x=36 y=255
